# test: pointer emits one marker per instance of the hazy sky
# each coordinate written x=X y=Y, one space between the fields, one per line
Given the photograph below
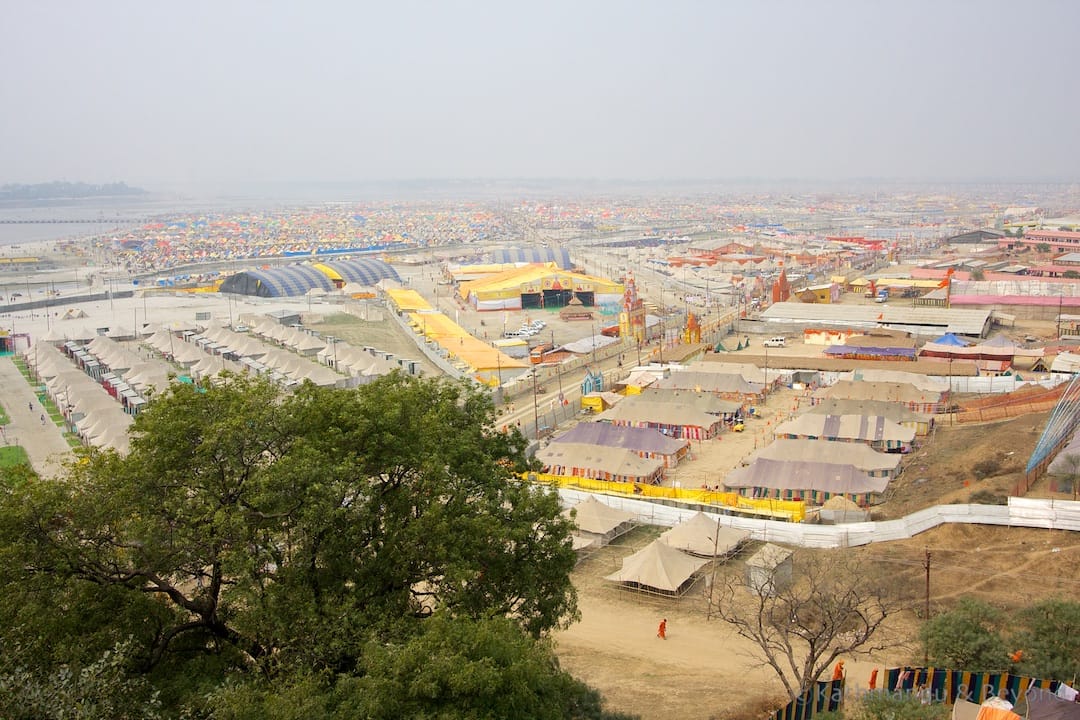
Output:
x=212 y=92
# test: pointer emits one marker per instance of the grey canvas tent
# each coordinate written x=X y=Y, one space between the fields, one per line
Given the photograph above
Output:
x=658 y=568
x=814 y=481
x=601 y=463
x=700 y=535
x=646 y=442
x=860 y=455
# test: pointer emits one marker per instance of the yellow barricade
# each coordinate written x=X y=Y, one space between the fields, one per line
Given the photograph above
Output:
x=790 y=510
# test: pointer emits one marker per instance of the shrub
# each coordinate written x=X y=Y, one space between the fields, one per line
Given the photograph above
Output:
x=988 y=497
x=985 y=468
x=897 y=706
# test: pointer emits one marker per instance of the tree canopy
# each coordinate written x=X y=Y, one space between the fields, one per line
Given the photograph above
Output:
x=1041 y=640
x=251 y=533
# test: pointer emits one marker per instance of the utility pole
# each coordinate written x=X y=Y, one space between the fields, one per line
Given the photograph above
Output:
x=926 y=564
x=1060 y=297
x=712 y=578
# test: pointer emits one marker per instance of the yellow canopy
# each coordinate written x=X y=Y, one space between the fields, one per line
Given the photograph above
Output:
x=460 y=345
x=408 y=300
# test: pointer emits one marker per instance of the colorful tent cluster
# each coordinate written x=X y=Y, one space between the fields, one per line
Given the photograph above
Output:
x=323 y=232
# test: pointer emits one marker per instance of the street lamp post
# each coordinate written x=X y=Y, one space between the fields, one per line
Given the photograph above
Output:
x=536 y=410
x=558 y=368
x=765 y=391
x=594 y=341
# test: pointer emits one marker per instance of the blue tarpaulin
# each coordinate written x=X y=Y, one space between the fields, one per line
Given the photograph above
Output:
x=950 y=339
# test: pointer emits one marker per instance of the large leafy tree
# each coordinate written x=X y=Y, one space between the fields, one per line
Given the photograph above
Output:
x=1049 y=637
x=249 y=529
x=454 y=668
x=967 y=637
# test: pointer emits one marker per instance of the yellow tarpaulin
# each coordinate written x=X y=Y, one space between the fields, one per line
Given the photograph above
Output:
x=460 y=345
x=408 y=300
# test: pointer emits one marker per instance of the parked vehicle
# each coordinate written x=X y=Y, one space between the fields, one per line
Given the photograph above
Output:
x=775 y=342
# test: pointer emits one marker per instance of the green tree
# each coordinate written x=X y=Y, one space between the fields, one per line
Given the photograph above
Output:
x=1050 y=639
x=1042 y=247
x=104 y=688
x=249 y=529
x=897 y=706
x=968 y=637
x=454 y=668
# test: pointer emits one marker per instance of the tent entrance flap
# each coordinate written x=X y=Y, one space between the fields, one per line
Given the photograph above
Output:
x=557 y=298
x=530 y=301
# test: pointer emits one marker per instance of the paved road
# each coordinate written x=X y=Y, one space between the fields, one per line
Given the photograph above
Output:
x=45 y=445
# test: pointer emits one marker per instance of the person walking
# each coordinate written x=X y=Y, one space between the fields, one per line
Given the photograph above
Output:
x=661 y=632
x=42 y=418
x=838 y=670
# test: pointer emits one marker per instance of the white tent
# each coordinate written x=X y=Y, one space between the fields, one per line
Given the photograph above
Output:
x=702 y=536
x=54 y=335
x=658 y=568
x=595 y=518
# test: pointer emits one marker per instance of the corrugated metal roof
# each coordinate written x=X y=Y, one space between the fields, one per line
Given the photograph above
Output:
x=963 y=321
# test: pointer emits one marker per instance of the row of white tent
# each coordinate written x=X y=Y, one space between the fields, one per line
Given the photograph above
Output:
x=261 y=357
x=98 y=417
x=207 y=354
x=354 y=361
x=140 y=373
x=293 y=337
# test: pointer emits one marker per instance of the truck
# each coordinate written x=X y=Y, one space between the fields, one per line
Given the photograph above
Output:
x=882 y=296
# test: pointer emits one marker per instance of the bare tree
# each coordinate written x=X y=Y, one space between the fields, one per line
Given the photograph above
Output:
x=830 y=607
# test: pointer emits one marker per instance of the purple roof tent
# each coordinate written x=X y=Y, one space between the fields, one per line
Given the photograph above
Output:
x=843 y=350
x=631 y=438
x=950 y=339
